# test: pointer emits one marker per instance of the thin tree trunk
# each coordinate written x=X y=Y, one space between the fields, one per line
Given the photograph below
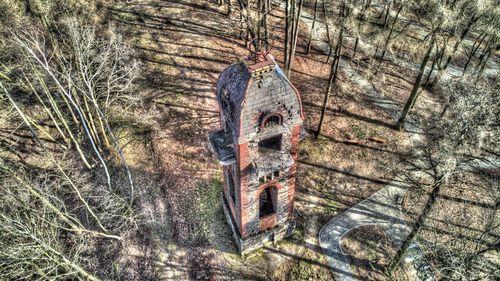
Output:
x=485 y=51
x=290 y=37
x=59 y=114
x=295 y=38
x=355 y=49
x=429 y=74
x=481 y=70
x=475 y=48
x=331 y=81
x=259 y=19
x=229 y=8
x=377 y=47
x=416 y=87
x=287 y=32
x=462 y=37
x=309 y=43
x=327 y=31
x=267 y=10
x=384 y=50
x=387 y=13
x=49 y=112
x=418 y=224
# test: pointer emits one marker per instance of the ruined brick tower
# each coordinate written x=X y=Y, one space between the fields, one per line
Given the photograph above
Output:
x=261 y=118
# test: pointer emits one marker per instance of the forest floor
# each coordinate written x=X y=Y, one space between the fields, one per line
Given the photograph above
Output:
x=183 y=46
x=183 y=53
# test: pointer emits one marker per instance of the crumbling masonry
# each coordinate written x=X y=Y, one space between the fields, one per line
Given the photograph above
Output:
x=261 y=118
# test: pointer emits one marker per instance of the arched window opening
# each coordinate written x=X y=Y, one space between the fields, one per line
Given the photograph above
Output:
x=266 y=204
x=272 y=120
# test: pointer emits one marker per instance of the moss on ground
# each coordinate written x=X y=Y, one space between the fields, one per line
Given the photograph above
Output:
x=304 y=270
x=203 y=210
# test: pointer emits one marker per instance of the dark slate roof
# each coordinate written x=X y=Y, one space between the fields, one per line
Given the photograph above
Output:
x=231 y=88
x=233 y=85
x=222 y=146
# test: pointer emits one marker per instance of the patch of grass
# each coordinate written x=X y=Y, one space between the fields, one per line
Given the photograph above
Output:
x=304 y=270
x=298 y=232
x=203 y=210
x=359 y=131
x=362 y=154
x=125 y=16
x=331 y=204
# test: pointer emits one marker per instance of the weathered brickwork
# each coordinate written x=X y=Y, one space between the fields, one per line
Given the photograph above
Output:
x=262 y=113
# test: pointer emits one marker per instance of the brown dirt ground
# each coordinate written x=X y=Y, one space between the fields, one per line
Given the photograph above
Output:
x=183 y=46
x=369 y=250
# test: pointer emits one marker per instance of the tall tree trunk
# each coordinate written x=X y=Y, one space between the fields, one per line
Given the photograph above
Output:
x=387 y=12
x=429 y=74
x=229 y=7
x=418 y=224
x=309 y=42
x=259 y=20
x=416 y=87
x=331 y=81
x=250 y=32
x=388 y=39
x=294 y=38
x=475 y=48
x=457 y=44
x=267 y=10
x=290 y=36
x=487 y=46
x=481 y=70
x=377 y=47
x=327 y=31
x=361 y=18
x=287 y=32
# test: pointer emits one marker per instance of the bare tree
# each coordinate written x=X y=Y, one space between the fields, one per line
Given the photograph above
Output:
x=391 y=36
x=465 y=15
x=88 y=87
x=432 y=15
x=295 y=34
x=455 y=138
x=344 y=13
x=309 y=41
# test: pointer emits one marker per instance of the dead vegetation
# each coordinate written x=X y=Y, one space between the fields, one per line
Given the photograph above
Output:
x=369 y=250
x=61 y=203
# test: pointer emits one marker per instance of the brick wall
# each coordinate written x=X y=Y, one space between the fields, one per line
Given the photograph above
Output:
x=265 y=92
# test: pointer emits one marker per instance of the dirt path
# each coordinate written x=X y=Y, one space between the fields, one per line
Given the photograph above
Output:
x=384 y=207
x=381 y=209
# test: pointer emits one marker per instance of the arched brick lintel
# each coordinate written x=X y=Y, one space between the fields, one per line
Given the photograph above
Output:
x=268 y=184
x=268 y=116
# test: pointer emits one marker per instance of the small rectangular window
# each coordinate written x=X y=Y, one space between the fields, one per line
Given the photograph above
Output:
x=231 y=185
